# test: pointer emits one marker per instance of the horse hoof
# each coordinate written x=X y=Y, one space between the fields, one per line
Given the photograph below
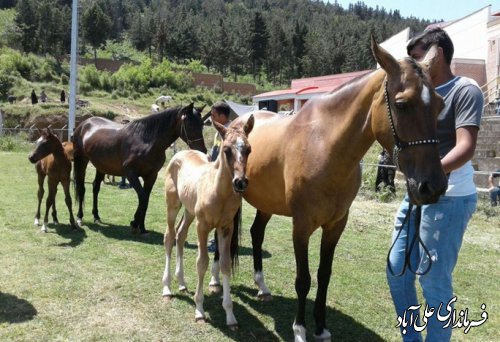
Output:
x=79 y=223
x=37 y=222
x=234 y=327
x=97 y=221
x=168 y=298
x=215 y=288
x=183 y=289
x=324 y=337
x=56 y=222
x=43 y=229
x=200 y=320
x=265 y=297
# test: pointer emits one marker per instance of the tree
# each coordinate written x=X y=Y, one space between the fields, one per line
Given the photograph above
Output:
x=299 y=47
x=258 y=42
x=26 y=20
x=95 y=25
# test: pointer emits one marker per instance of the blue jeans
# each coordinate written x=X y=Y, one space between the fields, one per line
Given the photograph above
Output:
x=442 y=229
x=494 y=196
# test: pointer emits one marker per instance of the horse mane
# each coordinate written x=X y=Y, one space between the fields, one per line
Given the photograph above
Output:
x=152 y=126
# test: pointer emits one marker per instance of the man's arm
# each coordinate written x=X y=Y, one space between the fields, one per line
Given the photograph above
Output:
x=463 y=150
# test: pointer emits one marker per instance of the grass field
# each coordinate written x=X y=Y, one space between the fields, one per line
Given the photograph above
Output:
x=104 y=283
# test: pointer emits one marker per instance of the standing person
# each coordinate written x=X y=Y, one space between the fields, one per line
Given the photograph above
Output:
x=63 y=96
x=443 y=224
x=43 y=96
x=385 y=173
x=494 y=190
x=34 y=98
x=219 y=113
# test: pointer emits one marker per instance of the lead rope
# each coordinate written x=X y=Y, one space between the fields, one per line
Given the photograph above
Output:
x=399 y=145
x=409 y=246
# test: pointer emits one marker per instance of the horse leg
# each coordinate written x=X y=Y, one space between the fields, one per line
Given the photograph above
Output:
x=201 y=268
x=96 y=187
x=52 y=185
x=214 y=283
x=330 y=236
x=143 y=193
x=173 y=206
x=224 y=237
x=54 y=212
x=301 y=235
x=80 y=165
x=41 y=179
x=69 y=204
x=181 y=236
x=257 y=231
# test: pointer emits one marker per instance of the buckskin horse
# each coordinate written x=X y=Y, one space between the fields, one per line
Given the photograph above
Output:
x=136 y=149
x=52 y=160
x=306 y=166
x=211 y=192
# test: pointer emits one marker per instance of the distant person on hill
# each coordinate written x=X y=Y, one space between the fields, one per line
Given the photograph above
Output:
x=442 y=224
x=43 y=96
x=494 y=190
x=63 y=96
x=34 y=98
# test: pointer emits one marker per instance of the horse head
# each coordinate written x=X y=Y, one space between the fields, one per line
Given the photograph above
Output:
x=45 y=145
x=191 y=128
x=235 y=150
x=404 y=118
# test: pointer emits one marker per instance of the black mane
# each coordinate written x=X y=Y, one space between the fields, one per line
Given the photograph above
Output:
x=154 y=125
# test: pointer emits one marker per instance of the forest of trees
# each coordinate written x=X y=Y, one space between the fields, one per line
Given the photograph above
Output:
x=277 y=39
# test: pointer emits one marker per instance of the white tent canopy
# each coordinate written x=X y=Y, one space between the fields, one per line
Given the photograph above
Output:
x=238 y=109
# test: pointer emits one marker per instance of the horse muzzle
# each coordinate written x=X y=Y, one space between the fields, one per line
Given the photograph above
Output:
x=33 y=158
x=240 y=184
x=426 y=192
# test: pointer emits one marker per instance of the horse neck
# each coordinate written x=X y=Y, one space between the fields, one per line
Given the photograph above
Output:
x=352 y=118
x=164 y=126
x=58 y=151
x=223 y=176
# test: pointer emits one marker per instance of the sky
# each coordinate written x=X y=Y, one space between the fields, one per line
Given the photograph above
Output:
x=429 y=9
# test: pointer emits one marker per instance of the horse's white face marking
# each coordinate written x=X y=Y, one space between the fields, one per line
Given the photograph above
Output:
x=426 y=95
x=39 y=140
x=240 y=145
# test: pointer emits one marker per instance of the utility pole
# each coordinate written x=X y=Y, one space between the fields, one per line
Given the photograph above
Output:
x=73 y=70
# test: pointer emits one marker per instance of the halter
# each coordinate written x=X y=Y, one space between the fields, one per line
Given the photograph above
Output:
x=400 y=144
x=183 y=129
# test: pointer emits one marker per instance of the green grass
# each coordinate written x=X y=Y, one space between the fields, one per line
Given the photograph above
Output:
x=104 y=283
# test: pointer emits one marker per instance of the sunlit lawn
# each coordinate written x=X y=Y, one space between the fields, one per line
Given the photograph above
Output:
x=104 y=283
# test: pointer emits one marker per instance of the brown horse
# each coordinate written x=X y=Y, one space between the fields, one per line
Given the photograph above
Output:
x=211 y=192
x=53 y=160
x=306 y=166
x=136 y=149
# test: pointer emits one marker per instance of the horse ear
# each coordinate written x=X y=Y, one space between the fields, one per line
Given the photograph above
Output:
x=188 y=110
x=249 y=125
x=220 y=128
x=431 y=57
x=384 y=58
x=48 y=130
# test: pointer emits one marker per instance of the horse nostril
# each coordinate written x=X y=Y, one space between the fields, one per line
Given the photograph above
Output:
x=240 y=184
x=425 y=188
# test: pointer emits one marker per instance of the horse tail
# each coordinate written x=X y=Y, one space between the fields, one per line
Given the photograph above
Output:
x=79 y=165
x=236 y=239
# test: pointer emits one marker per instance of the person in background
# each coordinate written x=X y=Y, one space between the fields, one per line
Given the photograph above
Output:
x=385 y=172
x=219 y=113
x=443 y=224
x=43 y=96
x=494 y=190
x=63 y=96
x=34 y=98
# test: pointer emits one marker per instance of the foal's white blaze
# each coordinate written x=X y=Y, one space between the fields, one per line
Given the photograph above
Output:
x=39 y=140
x=240 y=144
x=426 y=95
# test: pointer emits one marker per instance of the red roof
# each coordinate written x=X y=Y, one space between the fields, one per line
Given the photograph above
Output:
x=314 y=85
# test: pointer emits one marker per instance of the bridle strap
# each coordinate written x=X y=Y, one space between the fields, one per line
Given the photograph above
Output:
x=183 y=130
x=410 y=245
x=398 y=143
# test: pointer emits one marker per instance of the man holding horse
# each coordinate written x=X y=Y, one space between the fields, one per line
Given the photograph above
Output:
x=443 y=223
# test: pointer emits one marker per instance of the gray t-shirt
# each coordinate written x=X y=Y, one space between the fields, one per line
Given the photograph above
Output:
x=463 y=107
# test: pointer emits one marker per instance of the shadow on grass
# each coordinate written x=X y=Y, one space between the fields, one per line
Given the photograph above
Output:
x=282 y=310
x=120 y=232
x=75 y=236
x=15 y=310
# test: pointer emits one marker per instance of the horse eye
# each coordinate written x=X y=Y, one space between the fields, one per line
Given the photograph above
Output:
x=400 y=104
x=227 y=151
